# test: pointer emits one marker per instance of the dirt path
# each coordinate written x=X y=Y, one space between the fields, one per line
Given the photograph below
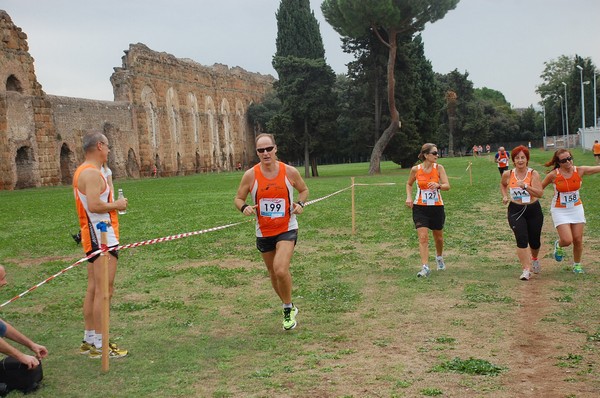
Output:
x=539 y=344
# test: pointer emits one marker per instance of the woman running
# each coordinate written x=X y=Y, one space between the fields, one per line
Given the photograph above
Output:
x=521 y=187
x=428 y=206
x=566 y=208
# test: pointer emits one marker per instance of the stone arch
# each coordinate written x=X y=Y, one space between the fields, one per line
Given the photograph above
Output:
x=25 y=162
x=213 y=133
x=132 y=167
x=194 y=116
x=13 y=84
x=173 y=115
x=198 y=162
x=240 y=122
x=148 y=98
x=180 y=170
x=157 y=165
x=227 y=136
x=67 y=164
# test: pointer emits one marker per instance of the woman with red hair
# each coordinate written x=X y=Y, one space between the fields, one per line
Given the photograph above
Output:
x=521 y=188
x=566 y=208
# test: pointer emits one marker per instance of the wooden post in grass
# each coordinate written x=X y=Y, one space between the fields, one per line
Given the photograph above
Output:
x=353 y=208
x=470 y=173
x=103 y=227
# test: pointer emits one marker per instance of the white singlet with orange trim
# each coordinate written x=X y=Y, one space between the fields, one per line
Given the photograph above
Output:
x=90 y=235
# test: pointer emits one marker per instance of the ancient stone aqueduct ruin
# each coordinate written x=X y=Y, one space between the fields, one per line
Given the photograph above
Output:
x=173 y=114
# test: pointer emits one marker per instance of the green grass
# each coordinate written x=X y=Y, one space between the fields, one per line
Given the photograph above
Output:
x=201 y=319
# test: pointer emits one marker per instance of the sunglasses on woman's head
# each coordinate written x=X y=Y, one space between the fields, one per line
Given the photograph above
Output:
x=565 y=160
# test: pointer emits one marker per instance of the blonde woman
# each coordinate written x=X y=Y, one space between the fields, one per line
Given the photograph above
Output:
x=428 y=206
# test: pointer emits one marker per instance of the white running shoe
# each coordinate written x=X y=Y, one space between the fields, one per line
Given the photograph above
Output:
x=424 y=273
x=525 y=275
x=535 y=264
x=440 y=263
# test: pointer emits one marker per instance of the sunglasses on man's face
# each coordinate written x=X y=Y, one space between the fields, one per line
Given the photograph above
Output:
x=263 y=150
x=565 y=160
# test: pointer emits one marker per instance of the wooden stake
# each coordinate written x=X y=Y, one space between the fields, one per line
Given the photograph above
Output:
x=105 y=296
x=470 y=173
x=353 y=209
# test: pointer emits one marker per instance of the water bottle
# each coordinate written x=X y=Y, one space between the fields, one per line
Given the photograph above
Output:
x=120 y=196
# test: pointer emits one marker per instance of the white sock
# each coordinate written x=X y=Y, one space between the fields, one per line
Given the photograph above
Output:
x=425 y=266
x=438 y=257
x=289 y=305
x=98 y=340
x=88 y=336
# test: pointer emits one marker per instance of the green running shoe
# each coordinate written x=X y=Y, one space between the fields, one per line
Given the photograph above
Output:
x=577 y=269
x=559 y=252
x=289 y=318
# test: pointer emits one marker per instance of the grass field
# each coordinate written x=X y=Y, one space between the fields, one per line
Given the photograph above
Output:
x=201 y=320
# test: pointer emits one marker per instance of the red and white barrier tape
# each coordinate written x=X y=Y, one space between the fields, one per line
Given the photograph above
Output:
x=147 y=242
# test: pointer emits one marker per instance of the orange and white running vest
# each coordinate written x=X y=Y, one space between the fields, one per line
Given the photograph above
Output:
x=426 y=196
x=566 y=190
x=90 y=235
x=275 y=200
x=503 y=159
x=517 y=193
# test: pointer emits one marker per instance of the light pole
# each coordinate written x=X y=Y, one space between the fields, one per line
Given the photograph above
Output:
x=595 y=94
x=566 y=113
x=544 y=109
x=562 y=116
x=582 y=109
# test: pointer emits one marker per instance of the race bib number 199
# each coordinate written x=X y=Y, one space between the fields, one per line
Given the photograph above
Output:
x=273 y=208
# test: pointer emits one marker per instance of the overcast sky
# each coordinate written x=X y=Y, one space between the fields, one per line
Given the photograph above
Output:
x=503 y=44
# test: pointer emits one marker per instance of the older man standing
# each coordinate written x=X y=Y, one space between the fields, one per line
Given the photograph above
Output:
x=94 y=203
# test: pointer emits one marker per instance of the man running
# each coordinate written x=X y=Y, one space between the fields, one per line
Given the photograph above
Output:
x=271 y=184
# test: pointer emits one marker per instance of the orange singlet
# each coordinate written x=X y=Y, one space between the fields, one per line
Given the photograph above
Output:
x=275 y=200
x=503 y=159
x=566 y=190
x=90 y=235
x=426 y=196
x=518 y=194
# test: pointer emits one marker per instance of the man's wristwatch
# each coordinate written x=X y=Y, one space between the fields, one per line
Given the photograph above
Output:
x=300 y=203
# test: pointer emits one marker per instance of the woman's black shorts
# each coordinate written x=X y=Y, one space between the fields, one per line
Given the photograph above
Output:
x=432 y=217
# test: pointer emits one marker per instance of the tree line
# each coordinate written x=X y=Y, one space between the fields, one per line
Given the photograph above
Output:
x=391 y=101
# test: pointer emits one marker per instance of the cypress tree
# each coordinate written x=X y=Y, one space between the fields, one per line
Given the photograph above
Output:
x=305 y=85
x=298 y=33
